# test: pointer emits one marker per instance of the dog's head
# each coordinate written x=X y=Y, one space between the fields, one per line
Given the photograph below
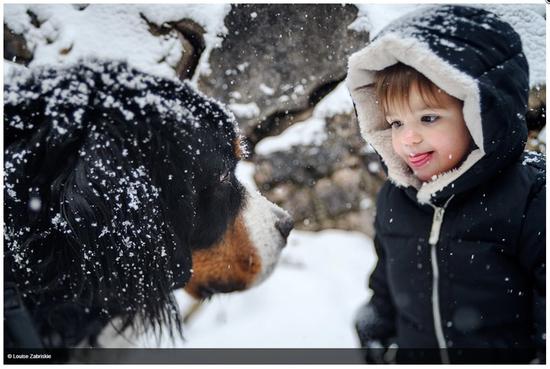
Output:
x=120 y=187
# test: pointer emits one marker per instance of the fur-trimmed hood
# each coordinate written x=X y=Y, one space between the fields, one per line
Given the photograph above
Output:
x=472 y=55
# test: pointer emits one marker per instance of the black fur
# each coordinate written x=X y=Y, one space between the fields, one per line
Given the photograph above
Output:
x=112 y=177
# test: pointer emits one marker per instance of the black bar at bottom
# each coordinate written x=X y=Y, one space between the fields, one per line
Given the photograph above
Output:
x=262 y=356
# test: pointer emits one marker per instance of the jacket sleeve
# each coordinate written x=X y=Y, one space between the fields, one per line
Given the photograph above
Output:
x=532 y=255
x=375 y=321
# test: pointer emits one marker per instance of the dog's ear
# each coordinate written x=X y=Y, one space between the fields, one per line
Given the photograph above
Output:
x=116 y=212
x=86 y=213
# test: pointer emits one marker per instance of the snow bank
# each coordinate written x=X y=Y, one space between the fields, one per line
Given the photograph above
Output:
x=308 y=132
x=117 y=31
x=311 y=131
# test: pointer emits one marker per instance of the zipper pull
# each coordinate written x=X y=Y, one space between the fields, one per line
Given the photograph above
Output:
x=436 y=225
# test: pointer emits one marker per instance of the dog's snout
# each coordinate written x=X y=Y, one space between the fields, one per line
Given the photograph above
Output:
x=285 y=225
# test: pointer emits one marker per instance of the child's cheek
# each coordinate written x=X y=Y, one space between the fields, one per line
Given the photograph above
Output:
x=396 y=146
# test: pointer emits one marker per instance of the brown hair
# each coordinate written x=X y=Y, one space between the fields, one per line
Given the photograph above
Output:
x=394 y=83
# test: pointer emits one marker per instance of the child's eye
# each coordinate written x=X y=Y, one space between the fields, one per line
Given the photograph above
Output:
x=395 y=124
x=429 y=118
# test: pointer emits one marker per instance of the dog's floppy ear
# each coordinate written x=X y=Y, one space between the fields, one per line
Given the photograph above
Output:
x=86 y=213
x=114 y=209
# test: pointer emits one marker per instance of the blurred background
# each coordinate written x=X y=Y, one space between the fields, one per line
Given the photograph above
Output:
x=279 y=68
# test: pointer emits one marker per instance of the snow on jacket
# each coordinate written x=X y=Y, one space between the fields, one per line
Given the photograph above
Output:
x=462 y=257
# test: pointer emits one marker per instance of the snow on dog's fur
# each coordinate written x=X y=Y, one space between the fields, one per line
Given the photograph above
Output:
x=120 y=187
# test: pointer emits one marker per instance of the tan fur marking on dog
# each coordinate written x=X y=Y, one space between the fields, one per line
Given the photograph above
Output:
x=231 y=265
x=237 y=149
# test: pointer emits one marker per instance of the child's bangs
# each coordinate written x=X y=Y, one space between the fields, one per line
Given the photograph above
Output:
x=395 y=83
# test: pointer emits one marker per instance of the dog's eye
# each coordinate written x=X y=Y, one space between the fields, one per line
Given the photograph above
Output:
x=225 y=176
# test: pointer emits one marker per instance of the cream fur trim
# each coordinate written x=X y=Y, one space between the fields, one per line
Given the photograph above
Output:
x=388 y=50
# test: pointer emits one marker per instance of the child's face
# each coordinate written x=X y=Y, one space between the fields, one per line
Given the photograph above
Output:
x=430 y=140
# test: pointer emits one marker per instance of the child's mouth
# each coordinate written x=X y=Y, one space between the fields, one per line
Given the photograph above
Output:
x=419 y=160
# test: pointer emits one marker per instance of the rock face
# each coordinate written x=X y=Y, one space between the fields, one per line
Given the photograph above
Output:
x=191 y=36
x=278 y=60
x=15 y=47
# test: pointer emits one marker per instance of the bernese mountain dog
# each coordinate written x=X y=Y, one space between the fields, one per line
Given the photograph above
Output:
x=120 y=187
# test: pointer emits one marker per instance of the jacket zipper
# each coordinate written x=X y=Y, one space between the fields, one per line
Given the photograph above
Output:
x=437 y=221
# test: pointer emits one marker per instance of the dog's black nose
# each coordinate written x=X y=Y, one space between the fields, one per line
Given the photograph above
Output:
x=285 y=225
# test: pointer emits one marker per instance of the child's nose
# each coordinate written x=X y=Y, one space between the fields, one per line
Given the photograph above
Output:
x=411 y=137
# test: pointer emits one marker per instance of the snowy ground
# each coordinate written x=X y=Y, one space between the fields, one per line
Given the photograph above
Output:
x=308 y=302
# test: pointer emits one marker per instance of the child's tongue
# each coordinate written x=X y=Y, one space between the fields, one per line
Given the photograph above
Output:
x=420 y=159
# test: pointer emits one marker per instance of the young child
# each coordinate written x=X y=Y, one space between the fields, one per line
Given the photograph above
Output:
x=441 y=95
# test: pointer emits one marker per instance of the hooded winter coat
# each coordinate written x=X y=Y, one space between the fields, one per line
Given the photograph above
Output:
x=462 y=257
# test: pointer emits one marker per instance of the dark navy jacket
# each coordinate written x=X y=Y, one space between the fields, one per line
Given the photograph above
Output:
x=478 y=281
